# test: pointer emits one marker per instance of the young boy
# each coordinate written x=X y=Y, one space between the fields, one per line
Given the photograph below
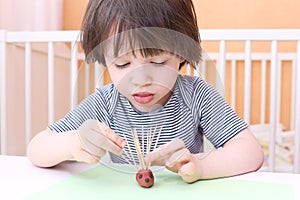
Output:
x=144 y=44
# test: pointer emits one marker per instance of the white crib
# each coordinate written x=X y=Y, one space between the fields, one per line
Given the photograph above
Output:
x=60 y=61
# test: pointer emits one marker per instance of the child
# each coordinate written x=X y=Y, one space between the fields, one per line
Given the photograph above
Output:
x=144 y=44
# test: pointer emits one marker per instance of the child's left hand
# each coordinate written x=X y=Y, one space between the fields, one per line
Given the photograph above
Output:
x=175 y=157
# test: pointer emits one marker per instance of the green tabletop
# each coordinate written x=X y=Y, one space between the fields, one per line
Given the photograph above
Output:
x=107 y=183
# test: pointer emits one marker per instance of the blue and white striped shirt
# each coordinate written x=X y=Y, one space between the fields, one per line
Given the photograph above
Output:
x=194 y=110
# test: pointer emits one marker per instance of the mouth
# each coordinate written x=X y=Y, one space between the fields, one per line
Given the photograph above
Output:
x=143 y=97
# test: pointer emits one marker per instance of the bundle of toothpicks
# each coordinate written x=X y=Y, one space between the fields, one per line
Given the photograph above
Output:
x=141 y=149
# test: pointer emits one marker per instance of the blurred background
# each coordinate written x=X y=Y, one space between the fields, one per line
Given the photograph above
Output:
x=37 y=15
x=56 y=15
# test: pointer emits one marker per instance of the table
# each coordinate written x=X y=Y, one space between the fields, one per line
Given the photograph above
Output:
x=20 y=179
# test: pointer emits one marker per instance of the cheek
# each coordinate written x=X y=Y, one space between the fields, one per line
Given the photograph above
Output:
x=121 y=80
x=115 y=76
x=166 y=77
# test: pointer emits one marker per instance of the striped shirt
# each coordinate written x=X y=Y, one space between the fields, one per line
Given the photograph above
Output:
x=194 y=110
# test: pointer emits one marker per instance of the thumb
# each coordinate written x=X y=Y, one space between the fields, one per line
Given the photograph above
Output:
x=188 y=172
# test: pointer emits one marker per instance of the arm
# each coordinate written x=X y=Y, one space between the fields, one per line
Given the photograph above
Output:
x=49 y=148
x=87 y=144
x=239 y=155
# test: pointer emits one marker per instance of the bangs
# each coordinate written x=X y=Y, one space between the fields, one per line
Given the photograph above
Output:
x=150 y=42
x=115 y=28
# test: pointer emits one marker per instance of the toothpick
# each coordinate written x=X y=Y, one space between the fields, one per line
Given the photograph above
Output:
x=126 y=157
x=147 y=147
x=143 y=150
x=138 y=149
x=155 y=145
x=158 y=135
x=152 y=138
x=149 y=135
x=135 y=144
x=135 y=165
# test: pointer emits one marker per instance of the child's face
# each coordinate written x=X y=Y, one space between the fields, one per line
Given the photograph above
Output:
x=147 y=82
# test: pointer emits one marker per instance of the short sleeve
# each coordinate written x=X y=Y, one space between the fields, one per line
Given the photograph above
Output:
x=218 y=120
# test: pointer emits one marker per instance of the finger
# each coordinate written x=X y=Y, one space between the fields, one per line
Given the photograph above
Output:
x=89 y=141
x=173 y=146
x=84 y=156
x=94 y=150
x=87 y=125
x=188 y=172
x=178 y=158
x=107 y=144
x=112 y=136
x=165 y=150
x=95 y=134
x=97 y=144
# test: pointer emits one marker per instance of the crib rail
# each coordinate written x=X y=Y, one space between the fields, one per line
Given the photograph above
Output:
x=28 y=38
x=221 y=57
x=264 y=35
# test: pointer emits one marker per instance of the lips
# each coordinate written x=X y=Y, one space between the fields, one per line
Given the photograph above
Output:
x=143 y=97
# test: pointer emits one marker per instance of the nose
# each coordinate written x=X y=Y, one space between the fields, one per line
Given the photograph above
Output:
x=141 y=76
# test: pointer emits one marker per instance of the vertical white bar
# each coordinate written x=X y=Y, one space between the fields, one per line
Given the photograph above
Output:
x=50 y=82
x=87 y=78
x=233 y=84
x=297 y=115
x=247 y=82
x=188 y=69
x=278 y=102
x=263 y=92
x=197 y=70
x=96 y=73
x=3 y=133
x=27 y=92
x=293 y=95
x=74 y=74
x=221 y=67
x=99 y=79
x=273 y=106
x=202 y=70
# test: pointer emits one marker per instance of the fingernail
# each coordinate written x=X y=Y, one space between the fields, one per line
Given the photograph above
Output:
x=123 y=144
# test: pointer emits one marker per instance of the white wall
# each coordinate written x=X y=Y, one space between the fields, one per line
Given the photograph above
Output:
x=31 y=15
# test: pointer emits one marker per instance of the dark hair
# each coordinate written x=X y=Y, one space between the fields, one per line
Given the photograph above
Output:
x=155 y=25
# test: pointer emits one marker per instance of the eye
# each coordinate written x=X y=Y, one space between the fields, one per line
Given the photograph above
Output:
x=159 y=63
x=122 y=65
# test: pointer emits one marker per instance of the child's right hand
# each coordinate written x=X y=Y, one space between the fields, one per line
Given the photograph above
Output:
x=93 y=140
